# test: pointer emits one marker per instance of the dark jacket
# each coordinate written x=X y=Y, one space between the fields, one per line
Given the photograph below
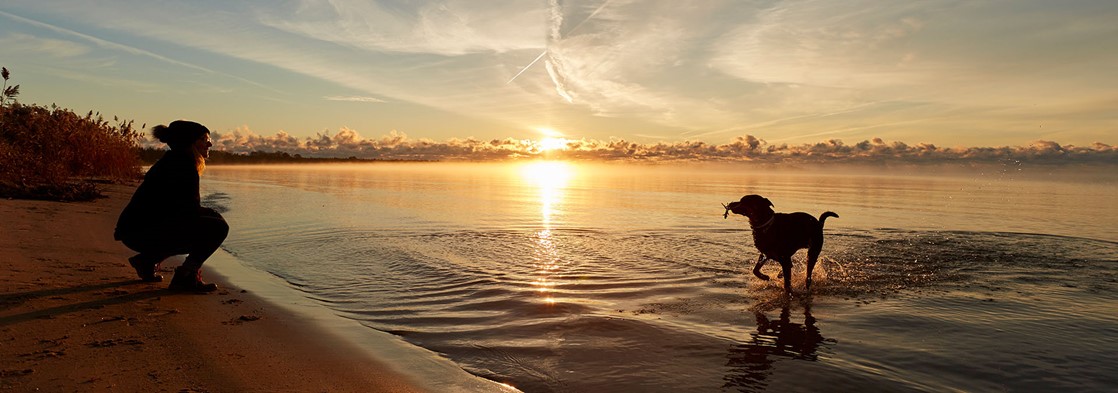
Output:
x=167 y=201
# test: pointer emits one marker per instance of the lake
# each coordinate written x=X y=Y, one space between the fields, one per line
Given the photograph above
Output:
x=564 y=277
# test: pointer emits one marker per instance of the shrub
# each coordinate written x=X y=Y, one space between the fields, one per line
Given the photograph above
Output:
x=53 y=153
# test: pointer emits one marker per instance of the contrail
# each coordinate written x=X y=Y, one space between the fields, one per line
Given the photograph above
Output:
x=555 y=35
x=592 y=14
x=104 y=43
x=129 y=49
x=527 y=66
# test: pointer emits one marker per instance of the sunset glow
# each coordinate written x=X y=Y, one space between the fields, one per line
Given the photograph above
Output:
x=549 y=178
x=549 y=132
x=297 y=73
x=520 y=196
x=547 y=175
x=552 y=144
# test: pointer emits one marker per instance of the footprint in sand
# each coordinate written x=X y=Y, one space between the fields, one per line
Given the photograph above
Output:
x=161 y=313
x=114 y=342
x=243 y=319
x=46 y=353
x=15 y=373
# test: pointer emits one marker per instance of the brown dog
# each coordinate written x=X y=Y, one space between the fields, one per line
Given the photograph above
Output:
x=779 y=235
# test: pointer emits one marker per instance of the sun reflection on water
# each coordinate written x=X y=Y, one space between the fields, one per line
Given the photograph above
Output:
x=550 y=179
x=546 y=260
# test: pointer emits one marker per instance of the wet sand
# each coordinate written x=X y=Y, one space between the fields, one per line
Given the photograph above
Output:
x=73 y=317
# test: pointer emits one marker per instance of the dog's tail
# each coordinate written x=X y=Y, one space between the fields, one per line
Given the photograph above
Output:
x=823 y=217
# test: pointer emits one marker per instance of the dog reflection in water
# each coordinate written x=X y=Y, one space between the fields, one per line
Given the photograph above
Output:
x=750 y=364
x=778 y=236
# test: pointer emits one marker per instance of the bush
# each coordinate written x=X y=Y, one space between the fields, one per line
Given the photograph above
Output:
x=53 y=153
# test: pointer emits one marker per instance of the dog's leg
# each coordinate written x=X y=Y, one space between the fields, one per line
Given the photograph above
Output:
x=813 y=256
x=757 y=268
x=786 y=269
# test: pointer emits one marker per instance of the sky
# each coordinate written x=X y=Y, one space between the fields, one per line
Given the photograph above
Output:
x=944 y=73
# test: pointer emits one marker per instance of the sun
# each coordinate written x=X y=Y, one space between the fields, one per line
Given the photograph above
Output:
x=548 y=144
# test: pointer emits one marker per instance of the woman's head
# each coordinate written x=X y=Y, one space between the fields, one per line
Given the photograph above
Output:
x=183 y=135
x=180 y=134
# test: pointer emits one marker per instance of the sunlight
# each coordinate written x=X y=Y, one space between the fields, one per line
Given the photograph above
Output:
x=547 y=144
x=552 y=140
x=550 y=177
x=547 y=174
x=547 y=266
x=549 y=132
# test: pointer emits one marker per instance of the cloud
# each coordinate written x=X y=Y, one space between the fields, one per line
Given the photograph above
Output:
x=443 y=27
x=827 y=44
x=396 y=145
x=958 y=53
x=661 y=69
x=354 y=99
x=102 y=42
x=604 y=60
x=73 y=49
x=18 y=42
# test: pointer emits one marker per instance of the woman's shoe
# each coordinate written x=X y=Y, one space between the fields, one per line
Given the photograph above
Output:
x=190 y=280
x=145 y=268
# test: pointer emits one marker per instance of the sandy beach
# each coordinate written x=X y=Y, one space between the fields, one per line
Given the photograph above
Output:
x=73 y=317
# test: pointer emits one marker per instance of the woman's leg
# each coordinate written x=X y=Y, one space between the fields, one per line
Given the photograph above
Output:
x=151 y=252
x=198 y=240
x=207 y=235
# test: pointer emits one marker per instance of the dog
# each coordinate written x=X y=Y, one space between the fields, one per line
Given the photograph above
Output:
x=780 y=235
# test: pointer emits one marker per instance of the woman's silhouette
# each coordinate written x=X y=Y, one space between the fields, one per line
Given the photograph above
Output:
x=165 y=216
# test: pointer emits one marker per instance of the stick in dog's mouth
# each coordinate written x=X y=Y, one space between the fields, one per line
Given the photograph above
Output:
x=727 y=213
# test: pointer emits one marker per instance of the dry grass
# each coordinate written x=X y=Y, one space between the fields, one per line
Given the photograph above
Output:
x=53 y=153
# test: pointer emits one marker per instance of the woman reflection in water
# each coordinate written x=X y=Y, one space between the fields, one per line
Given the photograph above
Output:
x=165 y=216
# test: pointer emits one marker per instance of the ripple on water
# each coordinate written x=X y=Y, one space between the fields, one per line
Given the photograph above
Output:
x=582 y=310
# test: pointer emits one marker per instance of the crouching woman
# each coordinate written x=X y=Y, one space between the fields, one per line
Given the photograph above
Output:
x=165 y=216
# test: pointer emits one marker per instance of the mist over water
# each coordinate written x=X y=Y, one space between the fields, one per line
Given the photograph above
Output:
x=584 y=278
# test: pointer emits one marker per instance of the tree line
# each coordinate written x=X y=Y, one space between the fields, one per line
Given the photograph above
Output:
x=149 y=155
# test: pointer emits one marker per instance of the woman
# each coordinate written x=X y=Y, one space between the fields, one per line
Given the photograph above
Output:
x=165 y=216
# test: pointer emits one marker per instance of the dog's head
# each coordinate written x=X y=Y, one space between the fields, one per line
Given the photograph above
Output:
x=749 y=205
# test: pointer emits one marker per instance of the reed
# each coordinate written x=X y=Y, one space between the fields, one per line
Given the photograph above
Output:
x=54 y=153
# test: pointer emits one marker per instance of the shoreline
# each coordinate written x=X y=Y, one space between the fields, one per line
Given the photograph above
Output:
x=73 y=316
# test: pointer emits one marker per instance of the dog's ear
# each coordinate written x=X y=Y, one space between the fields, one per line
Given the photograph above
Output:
x=767 y=201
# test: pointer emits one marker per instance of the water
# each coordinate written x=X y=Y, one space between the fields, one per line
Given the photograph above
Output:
x=557 y=277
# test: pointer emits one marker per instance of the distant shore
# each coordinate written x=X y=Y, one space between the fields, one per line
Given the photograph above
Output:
x=149 y=156
x=73 y=317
